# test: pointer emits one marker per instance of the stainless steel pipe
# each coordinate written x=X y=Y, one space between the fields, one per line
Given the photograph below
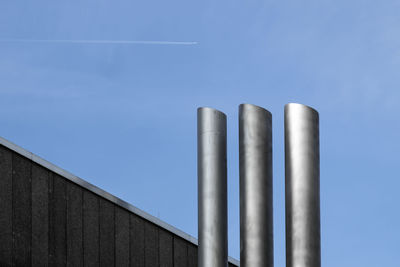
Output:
x=212 y=188
x=255 y=165
x=303 y=245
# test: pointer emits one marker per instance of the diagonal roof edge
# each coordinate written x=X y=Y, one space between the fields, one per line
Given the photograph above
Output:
x=75 y=179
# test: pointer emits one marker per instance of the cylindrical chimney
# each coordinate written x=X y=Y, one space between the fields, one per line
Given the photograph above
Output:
x=212 y=188
x=255 y=165
x=303 y=245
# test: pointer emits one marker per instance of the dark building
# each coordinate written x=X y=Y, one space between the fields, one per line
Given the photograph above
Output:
x=49 y=217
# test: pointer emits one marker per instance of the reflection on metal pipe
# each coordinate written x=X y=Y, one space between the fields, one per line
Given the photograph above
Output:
x=255 y=165
x=303 y=248
x=212 y=188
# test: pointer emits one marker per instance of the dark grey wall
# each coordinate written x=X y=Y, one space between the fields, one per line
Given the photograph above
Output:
x=46 y=220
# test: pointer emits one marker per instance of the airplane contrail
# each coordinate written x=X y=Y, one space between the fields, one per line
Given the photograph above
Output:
x=98 y=41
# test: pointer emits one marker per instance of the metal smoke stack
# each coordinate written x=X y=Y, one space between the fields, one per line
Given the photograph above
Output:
x=303 y=244
x=255 y=165
x=212 y=188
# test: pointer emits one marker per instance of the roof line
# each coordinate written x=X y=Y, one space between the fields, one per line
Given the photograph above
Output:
x=75 y=179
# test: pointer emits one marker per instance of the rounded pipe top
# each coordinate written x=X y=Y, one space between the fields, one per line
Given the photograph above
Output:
x=211 y=110
x=300 y=106
x=245 y=106
x=211 y=120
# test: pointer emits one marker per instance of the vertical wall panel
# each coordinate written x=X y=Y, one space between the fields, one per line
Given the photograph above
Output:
x=5 y=207
x=58 y=222
x=51 y=215
x=21 y=210
x=180 y=252
x=107 y=233
x=150 y=245
x=121 y=237
x=74 y=226
x=40 y=215
x=165 y=248
x=136 y=241
x=90 y=229
x=192 y=255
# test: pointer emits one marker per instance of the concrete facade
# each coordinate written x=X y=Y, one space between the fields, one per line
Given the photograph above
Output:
x=49 y=218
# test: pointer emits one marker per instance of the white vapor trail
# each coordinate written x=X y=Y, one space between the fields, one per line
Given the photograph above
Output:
x=123 y=42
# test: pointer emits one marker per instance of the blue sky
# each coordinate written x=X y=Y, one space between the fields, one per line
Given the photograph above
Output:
x=123 y=116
